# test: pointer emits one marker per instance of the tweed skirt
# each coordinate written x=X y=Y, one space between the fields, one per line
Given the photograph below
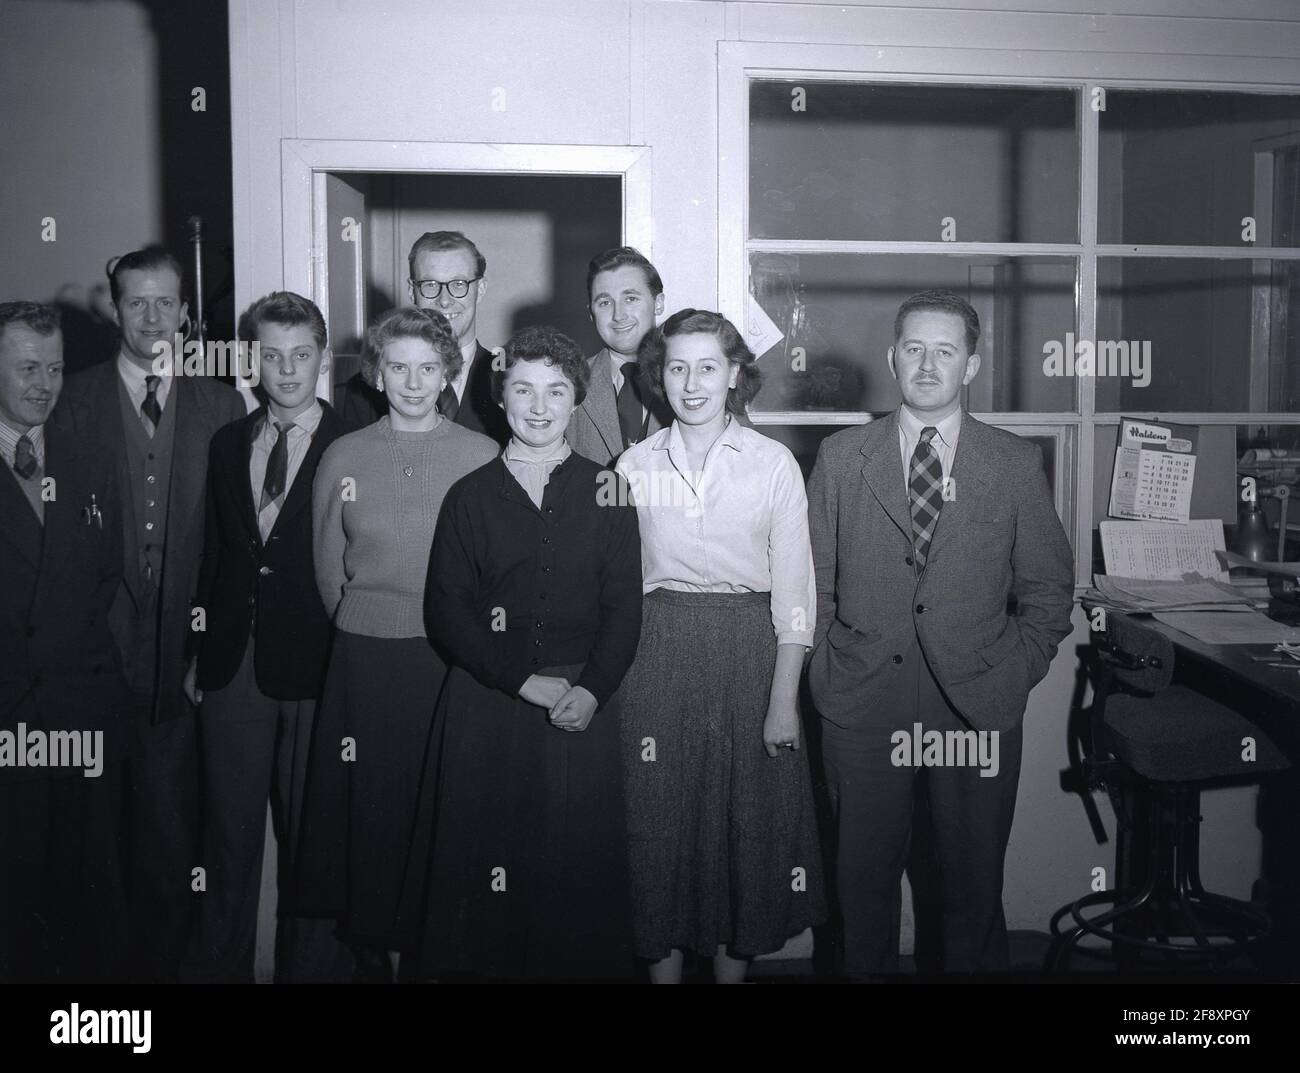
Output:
x=722 y=838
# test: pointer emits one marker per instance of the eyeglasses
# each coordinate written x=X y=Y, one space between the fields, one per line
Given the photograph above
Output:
x=431 y=288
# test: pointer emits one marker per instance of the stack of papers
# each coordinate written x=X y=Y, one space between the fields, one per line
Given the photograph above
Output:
x=1193 y=593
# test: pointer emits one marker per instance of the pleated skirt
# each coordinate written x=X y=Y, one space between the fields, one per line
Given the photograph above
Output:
x=519 y=863
x=722 y=838
x=363 y=782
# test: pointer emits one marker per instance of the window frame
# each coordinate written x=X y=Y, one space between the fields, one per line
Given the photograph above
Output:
x=741 y=62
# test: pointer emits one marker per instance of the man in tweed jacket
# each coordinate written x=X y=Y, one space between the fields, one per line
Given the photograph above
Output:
x=944 y=585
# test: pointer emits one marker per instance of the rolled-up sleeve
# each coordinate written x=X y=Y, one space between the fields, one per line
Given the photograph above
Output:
x=794 y=588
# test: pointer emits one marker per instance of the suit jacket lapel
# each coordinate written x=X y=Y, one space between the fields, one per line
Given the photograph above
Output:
x=21 y=528
x=193 y=432
x=883 y=472
x=98 y=418
x=243 y=482
x=602 y=406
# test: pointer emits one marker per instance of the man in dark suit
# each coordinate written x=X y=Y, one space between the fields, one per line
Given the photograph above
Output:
x=924 y=526
x=62 y=716
x=260 y=662
x=448 y=276
x=624 y=296
x=157 y=428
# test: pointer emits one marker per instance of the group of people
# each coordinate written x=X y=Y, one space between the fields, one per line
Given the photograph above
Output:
x=512 y=642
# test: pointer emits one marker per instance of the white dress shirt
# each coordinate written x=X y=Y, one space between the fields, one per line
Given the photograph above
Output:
x=304 y=427
x=739 y=525
x=9 y=437
x=944 y=441
x=133 y=377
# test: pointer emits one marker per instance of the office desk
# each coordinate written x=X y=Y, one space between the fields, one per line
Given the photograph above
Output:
x=1269 y=697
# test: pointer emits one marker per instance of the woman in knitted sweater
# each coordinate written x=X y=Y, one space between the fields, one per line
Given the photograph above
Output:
x=376 y=499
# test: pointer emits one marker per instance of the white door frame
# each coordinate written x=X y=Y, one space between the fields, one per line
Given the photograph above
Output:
x=304 y=164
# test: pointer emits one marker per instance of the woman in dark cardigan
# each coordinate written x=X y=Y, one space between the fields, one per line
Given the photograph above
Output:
x=518 y=869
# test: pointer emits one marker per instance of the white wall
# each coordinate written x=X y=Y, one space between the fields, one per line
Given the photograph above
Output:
x=644 y=72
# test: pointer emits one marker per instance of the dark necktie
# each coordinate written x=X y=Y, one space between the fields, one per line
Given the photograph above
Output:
x=448 y=404
x=150 y=408
x=631 y=415
x=277 y=466
x=25 y=458
x=925 y=487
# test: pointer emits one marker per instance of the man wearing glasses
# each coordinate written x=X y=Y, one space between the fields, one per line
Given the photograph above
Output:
x=447 y=273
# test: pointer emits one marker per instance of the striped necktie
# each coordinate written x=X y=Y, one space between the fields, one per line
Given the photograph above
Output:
x=925 y=488
x=25 y=458
x=149 y=408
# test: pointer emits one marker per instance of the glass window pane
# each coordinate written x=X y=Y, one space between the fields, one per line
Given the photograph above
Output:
x=837 y=315
x=1187 y=167
x=1198 y=335
x=856 y=161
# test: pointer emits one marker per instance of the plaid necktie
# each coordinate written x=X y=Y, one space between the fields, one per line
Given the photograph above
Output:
x=277 y=466
x=149 y=408
x=25 y=458
x=631 y=415
x=448 y=404
x=925 y=488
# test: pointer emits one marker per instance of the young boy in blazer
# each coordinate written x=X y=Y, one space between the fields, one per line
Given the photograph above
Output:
x=259 y=662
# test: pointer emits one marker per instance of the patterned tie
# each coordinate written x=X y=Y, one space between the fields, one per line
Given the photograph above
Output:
x=448 y=404
x=277 y=467
x=149 y=408
x=25 y=458
x=925 y=487
x=631 y=415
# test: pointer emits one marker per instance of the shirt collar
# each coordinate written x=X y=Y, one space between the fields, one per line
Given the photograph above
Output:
x=9 y=437
x=133 y=375
x=946 y=430
x=558 y=454
x=308 y=420
x=731 y=436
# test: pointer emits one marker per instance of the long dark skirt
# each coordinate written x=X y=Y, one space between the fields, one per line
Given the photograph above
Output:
x=519 y=865
x=360 y=800
x=722 y=838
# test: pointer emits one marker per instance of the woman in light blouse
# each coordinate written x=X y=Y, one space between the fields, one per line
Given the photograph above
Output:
x=722 y=836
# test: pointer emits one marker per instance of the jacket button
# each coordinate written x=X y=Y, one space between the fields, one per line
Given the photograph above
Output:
x=252 y=601
x=537 y=644
x=921 y=609
x=910 y=561
x=896 y=658
x=264 y=571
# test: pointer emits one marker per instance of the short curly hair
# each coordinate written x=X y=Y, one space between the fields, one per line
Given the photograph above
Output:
x=408 y=322
x=542 y=343
x=654 y=349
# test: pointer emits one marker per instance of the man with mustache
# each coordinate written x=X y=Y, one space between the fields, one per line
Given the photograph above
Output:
x=924 y=526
